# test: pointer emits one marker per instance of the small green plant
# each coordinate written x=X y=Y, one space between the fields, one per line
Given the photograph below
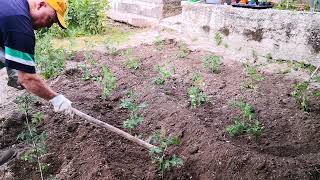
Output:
x=218 y=39
x=195 y=92
x=254 y=76
x=197 y=96
x=212 y=63
x=316 y=79
x=197 y=80
x=317 y=93
x=159 y=44
x=247 y=123
x=108 y=82
x=159 y=154
x=237 y=128
x=183 y=51
x=130 y=104
x=301 y=94
x=226 y=46
x=131 y=62
x=252 y=73
x=86 y=74
x=32 y=136
x=164 y=75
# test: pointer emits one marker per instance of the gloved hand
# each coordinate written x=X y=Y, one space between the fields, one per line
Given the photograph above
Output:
x=62 y=104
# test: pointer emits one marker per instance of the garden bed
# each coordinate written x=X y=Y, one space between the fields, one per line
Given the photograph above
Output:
x=287 y=149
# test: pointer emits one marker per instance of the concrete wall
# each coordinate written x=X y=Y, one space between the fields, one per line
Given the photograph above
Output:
x=289 y=35
x=143 y=13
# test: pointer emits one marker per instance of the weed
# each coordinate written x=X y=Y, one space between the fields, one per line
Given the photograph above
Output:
x=218 y=38
x=301 y=94
x=32 y=136
x=164 y=75
x=159 y=156
x=130 y=104
x=246 y=123
x=317 y=93
x=212 y=63
x=226 y=46
x=183 y=51
x=108 y=82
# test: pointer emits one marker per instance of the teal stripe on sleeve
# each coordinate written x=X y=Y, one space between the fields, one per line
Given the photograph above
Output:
x=18 y=54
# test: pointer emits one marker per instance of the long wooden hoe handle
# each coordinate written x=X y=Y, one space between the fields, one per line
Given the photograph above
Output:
x=113 y=129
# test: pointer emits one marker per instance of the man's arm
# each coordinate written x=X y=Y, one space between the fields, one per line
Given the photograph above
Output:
x=36 y=85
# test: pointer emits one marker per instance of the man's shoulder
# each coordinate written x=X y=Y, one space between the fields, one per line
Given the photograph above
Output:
x=14 y=8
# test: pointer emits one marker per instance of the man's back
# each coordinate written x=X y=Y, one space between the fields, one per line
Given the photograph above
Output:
x=17 y=38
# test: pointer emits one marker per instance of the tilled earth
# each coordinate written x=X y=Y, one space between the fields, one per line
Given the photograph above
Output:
x=289 y=147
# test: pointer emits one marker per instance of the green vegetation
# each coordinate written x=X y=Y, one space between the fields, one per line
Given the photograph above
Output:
x=246 y=124
x=130 y=104
x=108 y=82
x=254 y=76
x=218 y=39
x=50 y=61
x=212 y=63
x=32 y=136
x=131 y=62
x=164 y=75
x=183 y=50
x=195 y=93
x=301 y=95
x=159 y=44
x=159 y=154
x=292 y=5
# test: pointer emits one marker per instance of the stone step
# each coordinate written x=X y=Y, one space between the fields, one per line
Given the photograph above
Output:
x=133 y=19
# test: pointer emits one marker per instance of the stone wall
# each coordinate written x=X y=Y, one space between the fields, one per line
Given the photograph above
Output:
x=143 y=13
x=288 y=35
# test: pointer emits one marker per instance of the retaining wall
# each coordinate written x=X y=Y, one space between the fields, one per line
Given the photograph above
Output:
x=288 y=35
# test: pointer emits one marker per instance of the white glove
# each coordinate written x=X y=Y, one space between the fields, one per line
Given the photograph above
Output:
x=62 y=104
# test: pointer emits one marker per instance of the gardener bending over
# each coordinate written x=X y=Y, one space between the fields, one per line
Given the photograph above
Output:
x=18 y=20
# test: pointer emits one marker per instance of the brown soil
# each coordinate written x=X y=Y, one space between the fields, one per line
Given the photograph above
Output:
x=289 y=147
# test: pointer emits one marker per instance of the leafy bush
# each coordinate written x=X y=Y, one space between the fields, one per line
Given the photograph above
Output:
x=49 y=60
x=87 y=15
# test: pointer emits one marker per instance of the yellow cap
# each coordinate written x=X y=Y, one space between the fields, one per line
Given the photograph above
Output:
x=60 y=6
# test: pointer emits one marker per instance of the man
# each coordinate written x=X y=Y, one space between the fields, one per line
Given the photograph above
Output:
x=18 y=20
